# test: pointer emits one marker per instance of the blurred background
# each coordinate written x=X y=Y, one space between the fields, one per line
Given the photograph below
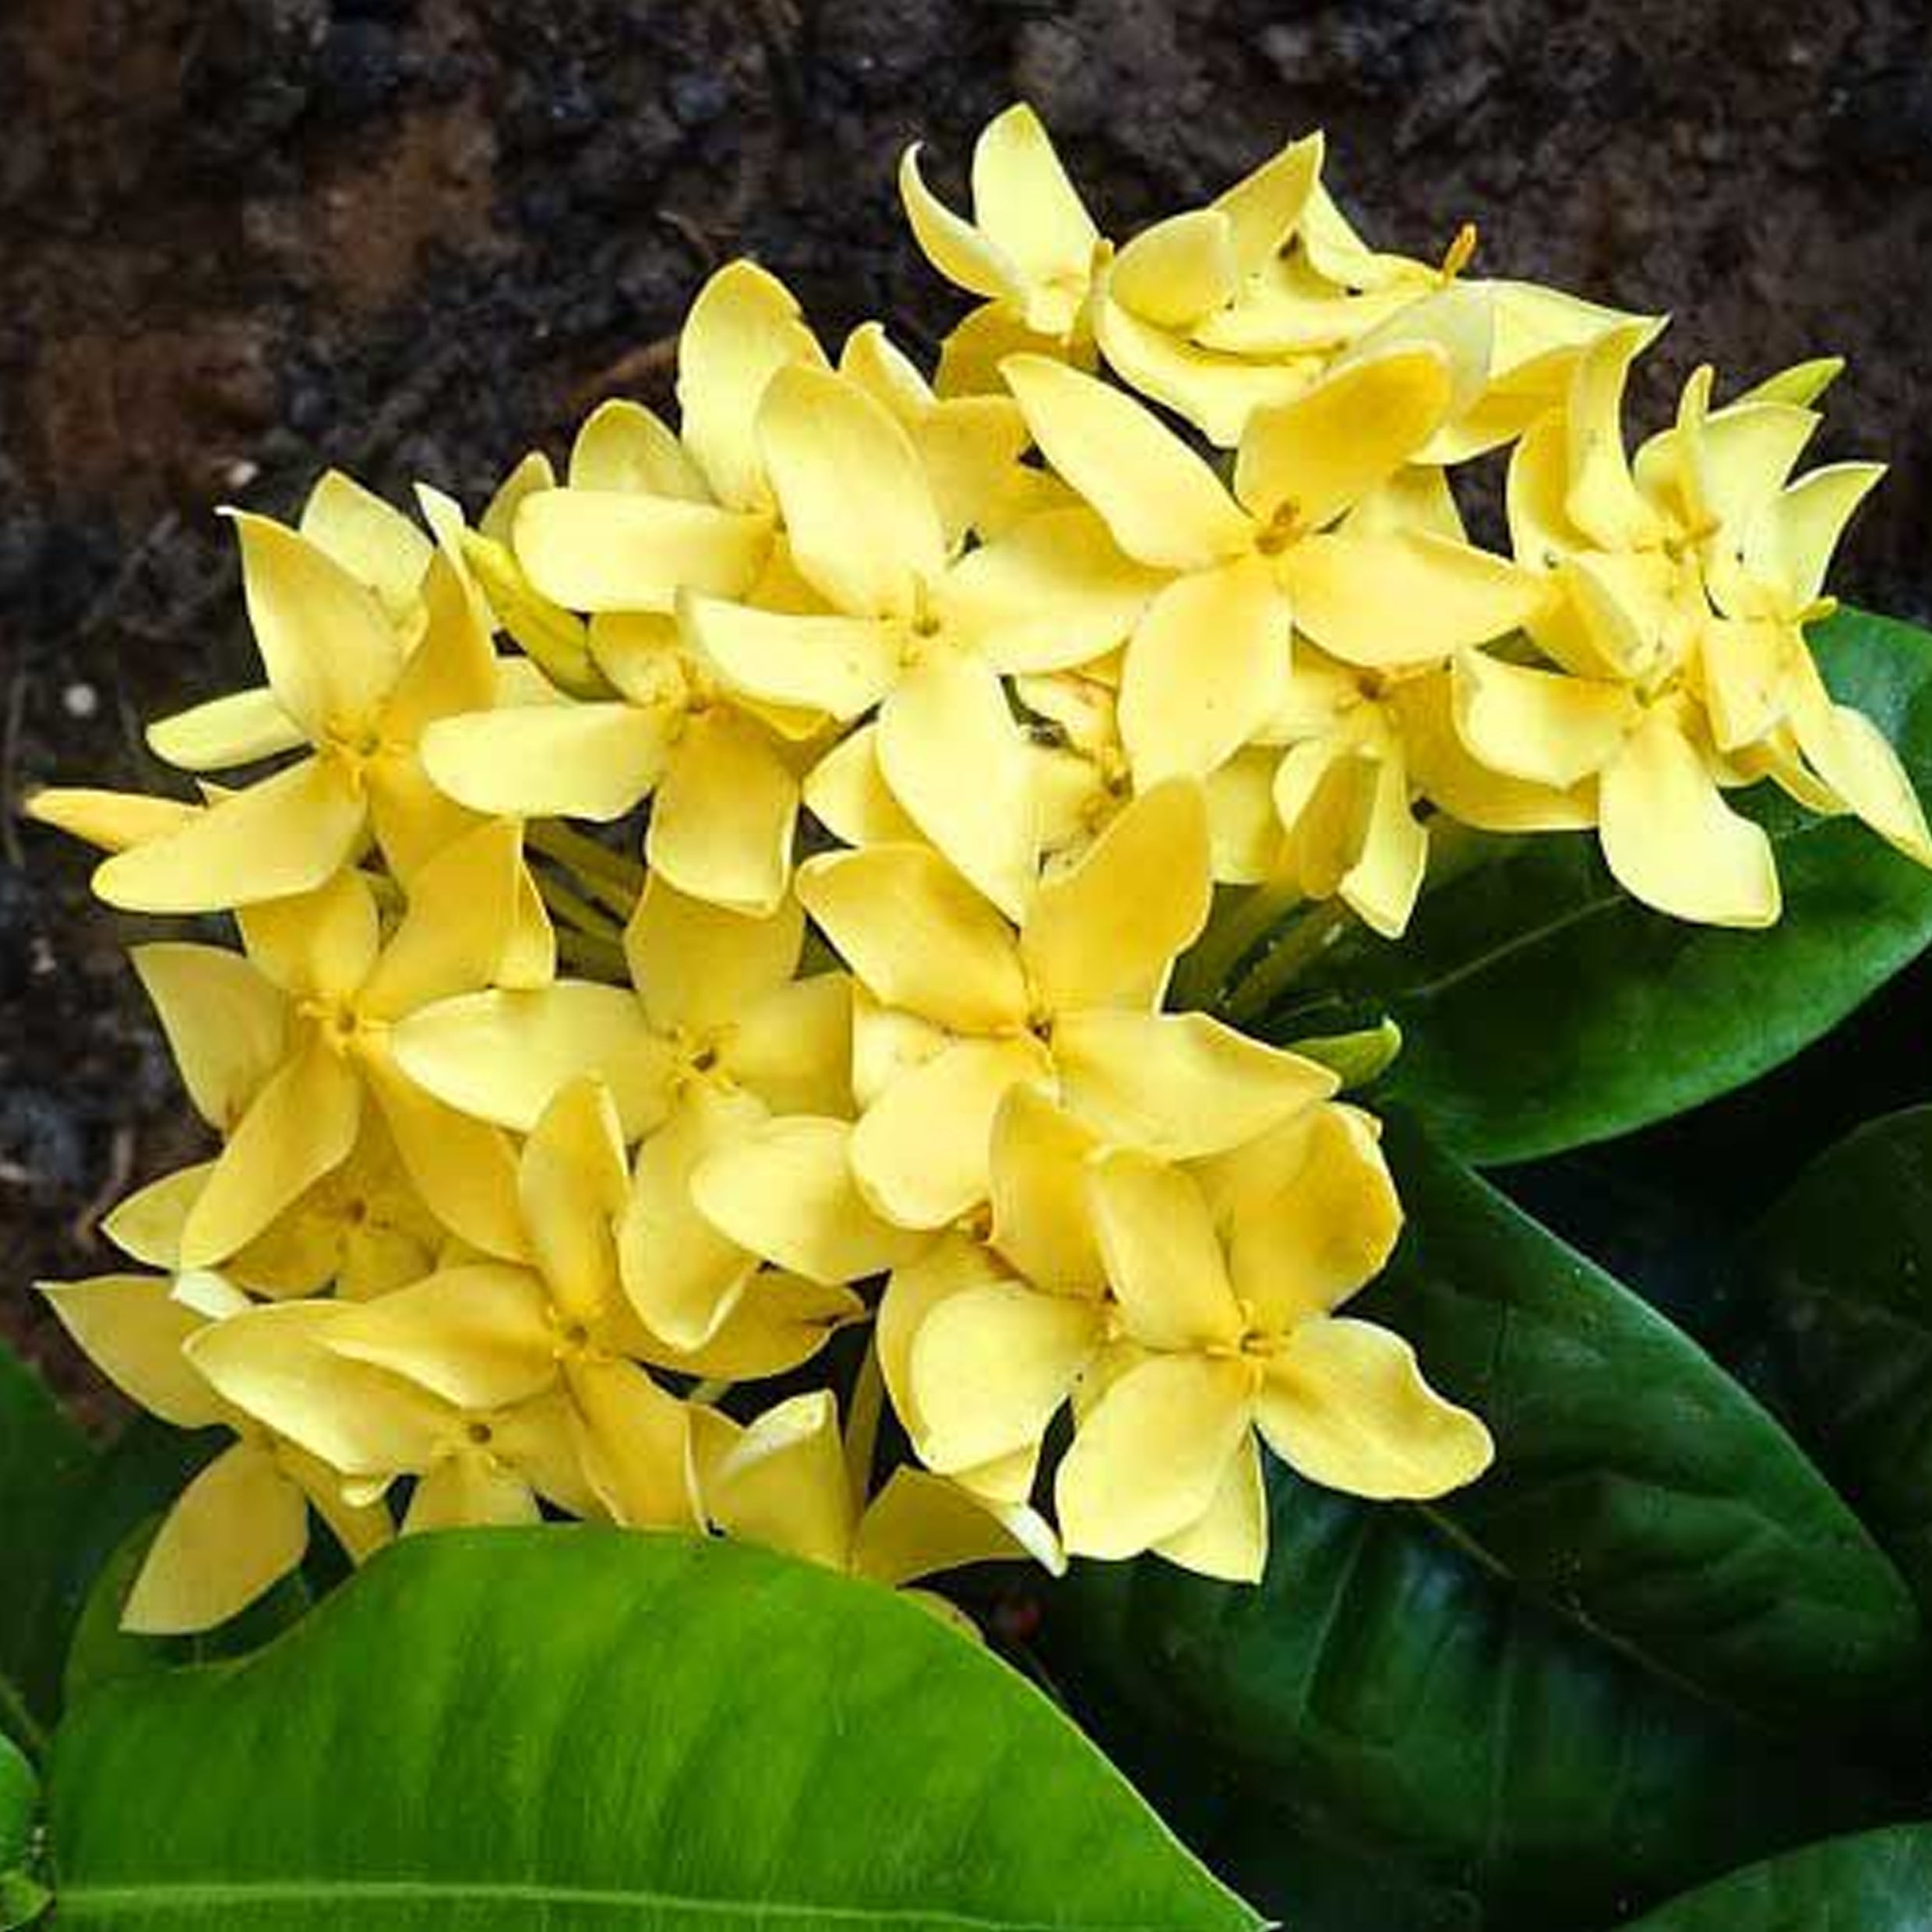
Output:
x=243 y=240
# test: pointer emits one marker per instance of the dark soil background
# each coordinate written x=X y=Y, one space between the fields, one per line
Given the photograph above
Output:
x=240 y=240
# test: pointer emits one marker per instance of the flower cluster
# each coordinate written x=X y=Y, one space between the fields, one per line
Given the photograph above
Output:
x=945 y=708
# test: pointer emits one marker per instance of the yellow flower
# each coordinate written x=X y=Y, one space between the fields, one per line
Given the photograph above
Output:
x=913 y=628
x=474 y=1467
x=242 y=1524
x=361 y=1228
x=1069 y=999
x=1206 y=667
x=278 y=1048
x=788 y=1480
x=1226 y=1287
x=342 y=680
x=714 y=1003
x=1684 y=580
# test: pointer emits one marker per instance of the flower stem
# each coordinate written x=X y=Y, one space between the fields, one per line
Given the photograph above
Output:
x=1207 y=971
x=601 y=958
x=608 y=877
x=1310 y=936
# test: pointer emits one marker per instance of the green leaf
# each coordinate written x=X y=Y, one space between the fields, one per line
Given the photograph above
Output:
x=22 y=1900
x=44 y=1464
x=1542 y=1009
x=588 y=1729
x=1382 y=1689
x=1879 y=1881
x=1638 y=1487
x=19 y=1798
x=1846 y=1259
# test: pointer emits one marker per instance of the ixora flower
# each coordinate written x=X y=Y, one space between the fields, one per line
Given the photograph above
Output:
x=953 y=730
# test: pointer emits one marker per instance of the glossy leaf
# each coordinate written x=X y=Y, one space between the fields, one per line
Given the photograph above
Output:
x=1383 y=1687
x=44 y=1464
x=1877 y=1881
x=1846 y=1261
x=1638 y=1488
x=1543 y=1009
x=586 y=1728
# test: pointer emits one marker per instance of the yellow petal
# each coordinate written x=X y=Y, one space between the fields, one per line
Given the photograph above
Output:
x=921 y=1152
x=886 y=1041
x=1312 y=1214
x=301 y=1126
x=1404 y=598
x=374 y=541
x=848 y=793
x=1859 y=764
x=859 y=511
x=285 y=835
x=613 y=550
x=1264 y=207
x=273 y=1363
x=1108 y=929
x=464 y=1168
x=1228 y=1540
x=145 y=1225
x=585 y=761
x=779 y=1323
x=478 y=1336
x=412 y=820
x=1791 y=544
x=991 y=1367
x=1179 y=270
x=226 y=1025
x=839 y=665
x=503 y=1056
x=134 y=1331
x=230 y=730
x=744 y=327
x=623 y=445
x=109 y=821
x=1023 y=200
x=1745 y=663
x=1150 y=1456
x=917 y=936
x=1165 y=506
x=919 y=1525
x=1053 y=592
x=468 y=1490
x=683 y=1276
x=782 y=1483
x=949 y=1264
x=970 y=355
x=1671 y=839
x=572 y=1184
x=1446 y=774
x=722 y=822
x=1345 y=1405
x=236 y=1530
x=331 y=653
x=317 y=945
x=697 y=965
x=1244 y=834
x=950 y=750
x=1042 y=1221
x=1309 y=460
x=1206 y=669
x=970 y=447
x=1218 y=393
x=1602 y=500
x=793 y=1048
x=965 y=256
x=1163 y=1256
x=1540 y=725
x=635 y=1442
x=1179 y=1085
x=453 y=669
x=785 y=1191
x=461 y=915
x=1382 y=886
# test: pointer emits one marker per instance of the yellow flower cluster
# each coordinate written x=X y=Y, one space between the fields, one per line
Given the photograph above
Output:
x=948 y=706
